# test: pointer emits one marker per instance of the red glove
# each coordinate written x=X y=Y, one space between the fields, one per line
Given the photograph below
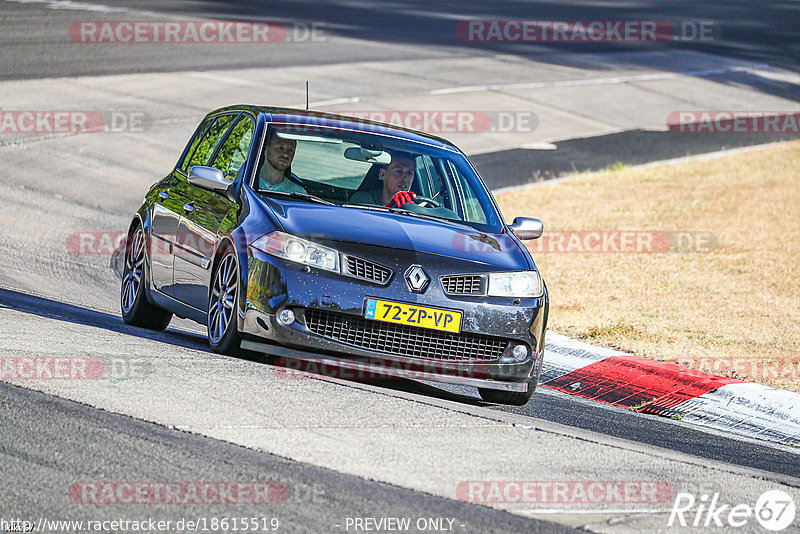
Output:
x=401 y=197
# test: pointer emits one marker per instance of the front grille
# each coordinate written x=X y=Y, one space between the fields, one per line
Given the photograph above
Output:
x=402 y=340
x=463 y=284
x=367 y=270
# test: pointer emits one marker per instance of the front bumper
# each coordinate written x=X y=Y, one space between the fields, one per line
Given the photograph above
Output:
x=372 y=369
x=274 y=285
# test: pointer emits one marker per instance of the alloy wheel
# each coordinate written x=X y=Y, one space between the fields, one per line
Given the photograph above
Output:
x=134 y=267
x=222 y=301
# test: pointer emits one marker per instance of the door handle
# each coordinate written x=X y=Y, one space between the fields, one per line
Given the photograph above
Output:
x=163 y=195
x=188 y=208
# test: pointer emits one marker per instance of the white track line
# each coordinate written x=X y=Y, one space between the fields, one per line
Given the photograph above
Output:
x=587 y=81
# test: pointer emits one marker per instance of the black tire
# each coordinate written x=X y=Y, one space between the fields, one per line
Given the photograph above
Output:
x=136 y=310
x=513 y=398
x=223 y=298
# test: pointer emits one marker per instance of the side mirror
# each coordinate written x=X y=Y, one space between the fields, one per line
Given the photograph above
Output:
x=527 y=228
x=210 y=179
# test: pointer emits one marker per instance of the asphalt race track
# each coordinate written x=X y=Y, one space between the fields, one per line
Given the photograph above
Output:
x=762 y=31
x=166 y=409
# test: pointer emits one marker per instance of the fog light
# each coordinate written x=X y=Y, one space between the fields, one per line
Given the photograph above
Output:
x=286 y=317
x=520 y=352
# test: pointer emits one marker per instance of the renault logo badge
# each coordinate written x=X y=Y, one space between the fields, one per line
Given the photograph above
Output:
x=416 y=279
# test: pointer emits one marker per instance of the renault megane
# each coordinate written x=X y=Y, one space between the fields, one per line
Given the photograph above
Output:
x=329 y=238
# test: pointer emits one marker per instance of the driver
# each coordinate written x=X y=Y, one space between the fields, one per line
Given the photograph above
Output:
x=275 y=173
x=395 y=183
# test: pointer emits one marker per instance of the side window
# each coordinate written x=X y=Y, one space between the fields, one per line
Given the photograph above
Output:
x=198 y=135
x=233 y=152
x=211 y=139
x=473 y=211
x=423 y=178
x=441 y=189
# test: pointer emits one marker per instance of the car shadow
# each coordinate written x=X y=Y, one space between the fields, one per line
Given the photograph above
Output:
x=421 y=388
x=293 y=369
x=71 y=313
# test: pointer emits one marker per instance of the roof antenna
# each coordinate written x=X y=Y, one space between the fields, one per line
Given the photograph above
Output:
x=306 y=95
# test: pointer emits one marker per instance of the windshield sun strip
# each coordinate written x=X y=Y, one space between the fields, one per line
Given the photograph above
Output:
x=443 y=146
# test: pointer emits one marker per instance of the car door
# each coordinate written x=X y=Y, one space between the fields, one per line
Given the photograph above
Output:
x=204 y=214
x=165 y=218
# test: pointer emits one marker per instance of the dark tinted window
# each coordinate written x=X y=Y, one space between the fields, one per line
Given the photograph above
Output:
x=198 y=135
x=233 y=152
x=211 y=139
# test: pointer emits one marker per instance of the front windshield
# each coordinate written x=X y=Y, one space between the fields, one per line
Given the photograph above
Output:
x=352 y=168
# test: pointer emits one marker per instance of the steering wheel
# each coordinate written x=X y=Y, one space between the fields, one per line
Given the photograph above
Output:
x=427 y=202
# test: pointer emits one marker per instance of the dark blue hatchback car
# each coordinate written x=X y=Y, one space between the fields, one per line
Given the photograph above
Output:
x=329 y=239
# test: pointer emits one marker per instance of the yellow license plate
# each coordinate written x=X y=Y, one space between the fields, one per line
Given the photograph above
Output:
x=411 y=314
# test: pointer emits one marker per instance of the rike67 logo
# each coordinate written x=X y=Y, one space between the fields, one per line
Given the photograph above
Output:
x=774 y=510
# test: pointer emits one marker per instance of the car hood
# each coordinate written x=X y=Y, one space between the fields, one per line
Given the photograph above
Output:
x=406 y=232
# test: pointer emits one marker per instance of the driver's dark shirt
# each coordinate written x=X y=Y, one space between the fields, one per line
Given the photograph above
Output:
x=370 y=196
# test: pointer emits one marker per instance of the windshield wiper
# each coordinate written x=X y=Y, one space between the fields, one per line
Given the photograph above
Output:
x=413 y=213
x=396 y=210
x=295 y=194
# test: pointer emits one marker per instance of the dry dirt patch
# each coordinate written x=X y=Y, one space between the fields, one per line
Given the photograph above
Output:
x=731 y=306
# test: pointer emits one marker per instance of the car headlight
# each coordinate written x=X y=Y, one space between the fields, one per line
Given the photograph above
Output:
x=299 y=250
x=525 y=284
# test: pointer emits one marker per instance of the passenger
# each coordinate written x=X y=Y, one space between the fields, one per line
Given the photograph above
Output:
x=393 y=188
x=275 y=173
